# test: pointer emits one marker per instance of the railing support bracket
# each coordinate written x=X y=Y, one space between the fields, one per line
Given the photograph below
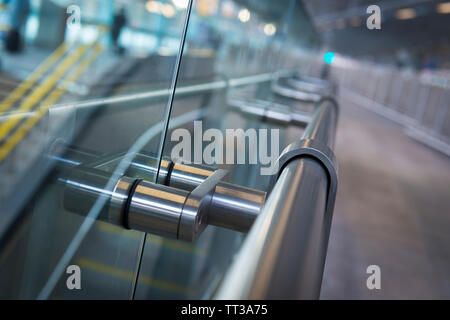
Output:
x=321 y=153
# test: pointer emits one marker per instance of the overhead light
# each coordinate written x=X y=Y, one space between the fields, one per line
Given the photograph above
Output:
x=165 y=51
x=443 y=8
x=167 y=10
x=181 y=4
x=227 y=9
x=153 y=6
x=207 y=7
x=405 y=14
x=157 y=7
x=270 y=29
x=329 y=57
x=244 y=15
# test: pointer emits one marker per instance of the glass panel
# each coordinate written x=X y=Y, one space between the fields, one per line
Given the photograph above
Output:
x=228 y=43
x=84 y=88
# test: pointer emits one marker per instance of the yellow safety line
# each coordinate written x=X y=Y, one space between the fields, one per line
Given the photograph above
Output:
x=18 y=92
x=18 y=135
x=129 y=275
x=40 y=92
x=58 y=92
x=171 y=244
x=22 y=88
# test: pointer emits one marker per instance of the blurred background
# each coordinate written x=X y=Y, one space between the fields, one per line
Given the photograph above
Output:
x=92 y=76
x=393 y=147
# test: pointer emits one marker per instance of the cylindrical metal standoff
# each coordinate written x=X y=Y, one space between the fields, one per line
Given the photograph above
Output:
x=85 y=186
x=235 y=207
x=270 y=112
x=164 y=210
x=155 y=208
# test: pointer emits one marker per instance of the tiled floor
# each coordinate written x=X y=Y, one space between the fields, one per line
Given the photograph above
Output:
x=392 y=210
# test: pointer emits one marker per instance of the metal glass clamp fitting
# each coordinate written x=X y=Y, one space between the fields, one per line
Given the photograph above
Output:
x=311 y=84
x=295 y=94
x=192 y=198
x=319 y=151
x=270 y=111
x=303 y=88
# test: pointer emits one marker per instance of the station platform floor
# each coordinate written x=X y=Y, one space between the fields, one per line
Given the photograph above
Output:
x=392 y=210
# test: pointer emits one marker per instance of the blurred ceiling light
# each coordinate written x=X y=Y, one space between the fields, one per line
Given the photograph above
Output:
x=270 y=29
x=244 y=15
x=168 y=10
x=405 y=14
x=153 y=6
x=355 y=21
x=329 y=57
x=443 y=8
x=340 y=24
x=227 y=9
x=180 y=4
x=165 y=51
x=207 y=7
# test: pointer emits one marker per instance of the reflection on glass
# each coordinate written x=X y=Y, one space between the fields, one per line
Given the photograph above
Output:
x=77 y=90
x=86 y=91
x=233 y=49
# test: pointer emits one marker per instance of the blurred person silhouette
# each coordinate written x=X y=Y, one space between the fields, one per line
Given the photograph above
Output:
x=18 y=15
x=119 y=21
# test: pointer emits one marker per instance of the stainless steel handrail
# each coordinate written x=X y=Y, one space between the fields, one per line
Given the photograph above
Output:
x=283 y=255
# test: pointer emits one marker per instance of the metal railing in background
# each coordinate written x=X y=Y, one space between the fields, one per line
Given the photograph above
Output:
x=418 y=101
x=283 y=255
x=151 y=95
